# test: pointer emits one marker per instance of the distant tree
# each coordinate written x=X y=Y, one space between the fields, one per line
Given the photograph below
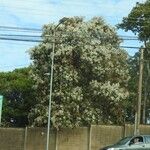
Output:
x=90 y=75
x=131 y=106
x=138 y=21
x=16 y=87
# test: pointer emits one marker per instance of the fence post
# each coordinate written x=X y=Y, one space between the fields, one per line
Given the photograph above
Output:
x=56 y=140
x=89 y=137
x=125 y=134
x=25 y=137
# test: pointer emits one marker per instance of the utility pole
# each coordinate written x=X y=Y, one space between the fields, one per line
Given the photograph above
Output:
x=145 y=100
x=137 y=123
x=147 y=67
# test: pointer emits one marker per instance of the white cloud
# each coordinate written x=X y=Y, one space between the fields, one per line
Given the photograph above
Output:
x=43 y=11
x=27 y=12
x=35 y=13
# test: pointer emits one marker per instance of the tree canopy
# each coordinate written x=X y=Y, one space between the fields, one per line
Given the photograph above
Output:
x=16 y=87
x=90 y=74
x=138 y=21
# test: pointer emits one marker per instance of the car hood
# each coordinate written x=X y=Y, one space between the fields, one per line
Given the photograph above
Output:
x=113 y=146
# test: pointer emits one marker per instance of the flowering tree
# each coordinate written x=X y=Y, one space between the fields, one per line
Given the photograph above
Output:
x=90 y=74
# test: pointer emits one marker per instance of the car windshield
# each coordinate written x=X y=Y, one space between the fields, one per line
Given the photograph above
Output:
x=123 y=141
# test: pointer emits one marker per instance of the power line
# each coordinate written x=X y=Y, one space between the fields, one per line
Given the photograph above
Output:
x=125 y=39
x=38 y=40
x=21 y=35
x=7 y=36
x=26 y=29
x=24 y=35
x=131 y=47
x=21 y=31
x=25 y=40
x=40 y=36
x=128 y=36
x=20 y=28
x=29 y=40
x=50 y=35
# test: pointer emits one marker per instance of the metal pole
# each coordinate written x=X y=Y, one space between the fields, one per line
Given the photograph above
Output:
x=135 y=125
x=51 y=81
x=50 y=94
x=139 y=92
x=1 y=103
x=25 y=138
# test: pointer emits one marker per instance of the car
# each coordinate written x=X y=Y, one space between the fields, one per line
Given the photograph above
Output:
x=140 y=142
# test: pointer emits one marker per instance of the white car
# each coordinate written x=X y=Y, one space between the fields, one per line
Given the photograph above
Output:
x=141 y=142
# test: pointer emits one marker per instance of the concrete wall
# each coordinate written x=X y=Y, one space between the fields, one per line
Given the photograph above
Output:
x=145 y=129
x=73 y=139
x=92 y=138
x=36 y=139
x=104 y=135
x=11 y=139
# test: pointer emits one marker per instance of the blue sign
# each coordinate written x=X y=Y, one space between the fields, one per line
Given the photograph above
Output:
x=1 y=103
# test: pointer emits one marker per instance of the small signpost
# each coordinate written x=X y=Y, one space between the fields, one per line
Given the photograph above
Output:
x=1 y=103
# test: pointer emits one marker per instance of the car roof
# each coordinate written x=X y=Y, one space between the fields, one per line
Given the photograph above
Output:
x=143 y=135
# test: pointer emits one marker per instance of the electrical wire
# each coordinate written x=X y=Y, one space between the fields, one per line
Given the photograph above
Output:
x=39 y=36
x=50 y=35
x=128 y=36
x=7 y=36
x=131 y=47
x=25 y=40
x=13 y=38
x=20 y=28
x=26 y=29
x=22 y=35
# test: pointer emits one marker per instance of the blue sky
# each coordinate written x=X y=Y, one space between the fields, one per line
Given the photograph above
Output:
x=36 y=13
